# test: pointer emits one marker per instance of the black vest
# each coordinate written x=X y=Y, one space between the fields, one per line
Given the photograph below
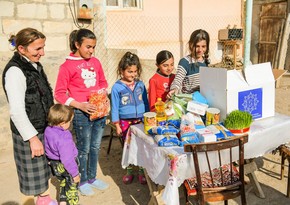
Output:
x=38 y=95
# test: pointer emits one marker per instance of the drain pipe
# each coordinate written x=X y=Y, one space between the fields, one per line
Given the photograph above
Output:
x=248 y=29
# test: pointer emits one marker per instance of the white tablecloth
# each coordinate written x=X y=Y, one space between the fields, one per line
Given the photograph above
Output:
x=170 y=166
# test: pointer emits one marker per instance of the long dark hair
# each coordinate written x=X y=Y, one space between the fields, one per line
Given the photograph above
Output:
x=163 y=56
x=78 y=36
x=195 y=37
x=127 y=60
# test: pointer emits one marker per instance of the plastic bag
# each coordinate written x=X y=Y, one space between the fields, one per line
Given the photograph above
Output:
x=102 y=102
x=220 y=131
x=163 y=130
x=187 y=131
x=166 y=140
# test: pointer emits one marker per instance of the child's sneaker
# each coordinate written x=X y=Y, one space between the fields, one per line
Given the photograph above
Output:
x=141 y=177
x=45 y=200
x=86 y=190
x=128 y=178
x=98 y=184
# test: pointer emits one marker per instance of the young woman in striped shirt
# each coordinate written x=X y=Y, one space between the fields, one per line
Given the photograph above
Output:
x=187 y=74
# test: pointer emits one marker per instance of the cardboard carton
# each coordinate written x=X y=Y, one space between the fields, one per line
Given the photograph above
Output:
x=228 y=90
x=196 y=107
x=205 y=135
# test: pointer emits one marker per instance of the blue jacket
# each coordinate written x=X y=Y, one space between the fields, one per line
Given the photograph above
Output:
x=128 y=104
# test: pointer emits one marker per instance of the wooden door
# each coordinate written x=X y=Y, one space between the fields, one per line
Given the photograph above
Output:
x=272 y=19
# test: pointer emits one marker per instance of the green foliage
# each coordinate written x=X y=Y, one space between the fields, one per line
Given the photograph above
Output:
x=237 y=119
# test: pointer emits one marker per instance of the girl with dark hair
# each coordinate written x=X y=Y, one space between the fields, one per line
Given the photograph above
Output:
x=187 y=74
x=79 y=76
x=129 y=102
x=159 y=83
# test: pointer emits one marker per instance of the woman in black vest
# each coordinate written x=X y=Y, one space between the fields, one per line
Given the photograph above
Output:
x=29 y=96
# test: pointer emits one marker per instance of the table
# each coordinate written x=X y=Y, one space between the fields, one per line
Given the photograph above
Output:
x=170 y=166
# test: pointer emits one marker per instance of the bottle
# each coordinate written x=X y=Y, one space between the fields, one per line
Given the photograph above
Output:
x=160 y=112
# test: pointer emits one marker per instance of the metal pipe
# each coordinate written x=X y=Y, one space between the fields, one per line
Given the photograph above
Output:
x=248 y=30
x=180 y=23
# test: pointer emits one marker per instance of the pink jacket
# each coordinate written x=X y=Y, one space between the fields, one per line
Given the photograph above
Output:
x=77 y=77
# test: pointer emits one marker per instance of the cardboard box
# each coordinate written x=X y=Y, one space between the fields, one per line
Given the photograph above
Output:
x=228 y=90
x=196 y=107
x=205 y=135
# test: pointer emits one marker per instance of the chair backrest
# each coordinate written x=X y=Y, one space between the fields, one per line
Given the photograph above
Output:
x=216 y=151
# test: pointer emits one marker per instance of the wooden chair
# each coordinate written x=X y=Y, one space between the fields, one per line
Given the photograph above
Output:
x=219 y=184
x=285 y=154
x=113 y=133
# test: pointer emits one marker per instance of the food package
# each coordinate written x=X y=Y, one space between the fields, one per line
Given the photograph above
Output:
x=196 y=107
x=220 y=131
x=173 y=110
x=205 y=135
x=196 y=119
x=196 y=96
x=187 y=131
x=167 y=140
x=102 y=102
x=163 y=130
x=174 y=123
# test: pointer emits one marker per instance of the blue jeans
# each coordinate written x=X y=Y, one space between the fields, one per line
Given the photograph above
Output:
x=89 y=136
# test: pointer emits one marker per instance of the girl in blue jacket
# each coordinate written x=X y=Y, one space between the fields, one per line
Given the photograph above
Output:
x=129 y=102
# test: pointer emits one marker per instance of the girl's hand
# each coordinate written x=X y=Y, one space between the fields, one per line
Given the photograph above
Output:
x=77 y=179
x=170 y=94
x=88 y=108
x=118 y=129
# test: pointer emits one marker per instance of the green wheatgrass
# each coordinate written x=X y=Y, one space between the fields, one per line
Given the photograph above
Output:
x=237 y=119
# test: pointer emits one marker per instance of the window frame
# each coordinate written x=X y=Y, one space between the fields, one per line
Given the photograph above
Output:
x=121 y=7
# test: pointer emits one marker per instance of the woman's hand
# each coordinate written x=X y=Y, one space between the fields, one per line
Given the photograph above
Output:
x=36 y=147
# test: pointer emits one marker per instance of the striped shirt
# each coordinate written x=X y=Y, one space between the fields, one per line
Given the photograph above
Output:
x=187 y=75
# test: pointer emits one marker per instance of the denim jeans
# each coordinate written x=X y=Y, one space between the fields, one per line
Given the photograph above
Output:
x=88 y=136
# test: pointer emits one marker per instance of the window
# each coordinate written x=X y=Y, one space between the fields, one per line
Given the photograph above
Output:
x=124 y=4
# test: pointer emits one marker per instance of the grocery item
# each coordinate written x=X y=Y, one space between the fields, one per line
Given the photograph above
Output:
x=220 y=131
x=212 y=116
x=161 y=116
x=102 y=102
x=167 y=140
x=187 y=131
x=163 y=130
x=149 y=121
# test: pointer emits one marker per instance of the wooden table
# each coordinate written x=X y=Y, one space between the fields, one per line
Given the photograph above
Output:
x=170 y=166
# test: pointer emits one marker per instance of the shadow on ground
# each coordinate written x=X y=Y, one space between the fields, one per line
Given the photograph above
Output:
x=268 y=176
x=134 y=193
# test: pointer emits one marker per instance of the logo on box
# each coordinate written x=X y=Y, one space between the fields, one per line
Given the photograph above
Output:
x=251 y=101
